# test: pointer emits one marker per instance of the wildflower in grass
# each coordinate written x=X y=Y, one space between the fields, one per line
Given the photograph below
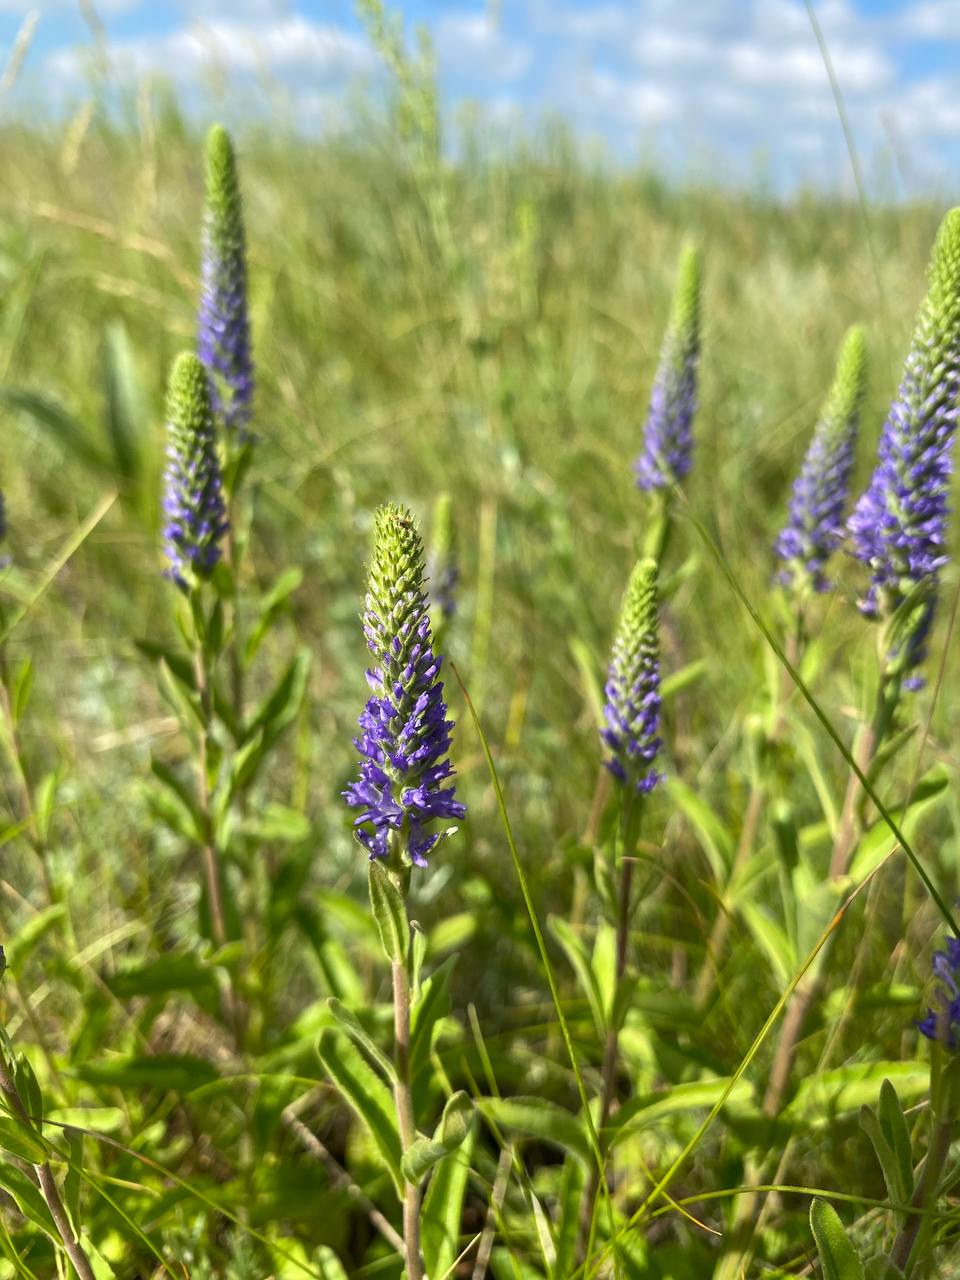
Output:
x=814 y=527
x=632 y=710
x=668 y=438
x=223 y=338
x=443 y=568
x=193 y=497
x=943 y=1022
x=899 y=524
x=404 y=730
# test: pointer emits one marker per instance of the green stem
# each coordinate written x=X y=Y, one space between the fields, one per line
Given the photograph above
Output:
x=404 y=1103
x=43 y=1175
x=630 y=833
x=924 y=1197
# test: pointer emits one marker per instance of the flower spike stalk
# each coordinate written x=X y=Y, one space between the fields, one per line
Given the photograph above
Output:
x=814 y=527
x=632 y=714
x=223 y=328
x=197 y=524
x=401 y=791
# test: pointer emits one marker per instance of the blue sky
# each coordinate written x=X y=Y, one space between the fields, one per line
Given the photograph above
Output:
x=731 y=89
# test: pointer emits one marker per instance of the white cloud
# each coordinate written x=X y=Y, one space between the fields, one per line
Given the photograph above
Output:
x=104 y=8
x=929 y=108
x=471 y=44
x=292 y=44
x=930 y=20
x=642 y=104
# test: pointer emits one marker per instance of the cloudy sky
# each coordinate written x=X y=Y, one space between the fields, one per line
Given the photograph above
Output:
x=727 y=88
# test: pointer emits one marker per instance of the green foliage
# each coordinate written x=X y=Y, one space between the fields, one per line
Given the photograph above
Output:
x=838 y=1258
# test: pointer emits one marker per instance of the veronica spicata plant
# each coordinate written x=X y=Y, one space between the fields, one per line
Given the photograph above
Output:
x=631 y=737
x=814 y=528
x=667 y=453
x=899 y=524
x=402 y=790
x=196 y=516
x=632 y=708
x=404 y=730
x=223 y=329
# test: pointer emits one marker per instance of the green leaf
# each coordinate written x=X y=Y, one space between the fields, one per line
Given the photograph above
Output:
x=280 y=707
x=894 y=1126
x=576 y=953
x=22 y=1141
x=640 y=1113
x=772 y=940
x=172 y=973
x=452 y=932
x=28 y=1087
x=540 y=1119
x=879 y=841
x=450 y=1133
x=888 y=1164
x=568 y=1203
x=167 y=807
x=279 y=823
x=365 y=1092
x=351 y=1024
x=183 y=792
x=677 y=681
x=827 y=1094
x=269 y=607
x=21 y=690
x=58 y=423
x=29 y=1200
x=390 y=913
x=177 y=1072
x=430 y=1004
x=715 y=840
x=127 y=410
x=23 y=943
x=839 y=1259
x=443 y=1209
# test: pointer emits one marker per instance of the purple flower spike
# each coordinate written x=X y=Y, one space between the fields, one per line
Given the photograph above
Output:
x=632 y=710
x=667 y=452
x=223 y=330
x=404 y=730
x=196 y=517
x=814 y=528
x=943 y=1022
x=899 y=525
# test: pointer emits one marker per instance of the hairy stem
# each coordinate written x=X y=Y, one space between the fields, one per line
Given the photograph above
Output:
x=43 y=1176
x=408 y=1129
x=608 y=1086
x=211 y=861
x=924 y=1196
